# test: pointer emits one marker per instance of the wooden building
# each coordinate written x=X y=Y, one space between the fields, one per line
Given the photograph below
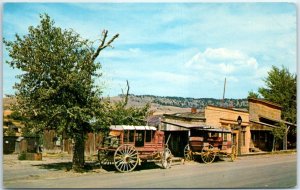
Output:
x=176 y=126
x=218 y=117
x=264 y=117
x=221 y=117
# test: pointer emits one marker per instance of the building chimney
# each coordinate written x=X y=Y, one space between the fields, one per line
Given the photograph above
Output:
x=193 y=110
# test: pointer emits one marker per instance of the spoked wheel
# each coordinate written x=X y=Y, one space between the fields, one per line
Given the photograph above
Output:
x=104 y=158
x=207 y=154
x=188 y=153
x=125 y=158
x=233 y=153
x=166 y=159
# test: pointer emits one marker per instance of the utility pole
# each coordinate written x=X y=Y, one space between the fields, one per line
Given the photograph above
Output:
x=224 y=92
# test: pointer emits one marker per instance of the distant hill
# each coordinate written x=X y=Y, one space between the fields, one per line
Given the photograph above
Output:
x=7 y=102
x=199 y=103
x=167 y=104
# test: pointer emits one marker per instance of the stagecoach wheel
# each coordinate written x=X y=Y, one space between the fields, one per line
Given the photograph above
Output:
x=207 y=154
x=233 y=153
x=125 y=158
x=187 y=153
x=104 y=158
x=166 y=159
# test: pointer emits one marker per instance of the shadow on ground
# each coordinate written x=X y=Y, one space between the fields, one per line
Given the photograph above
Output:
x=143 y=166
x=65 y=166
x=90 y=166
x=217 y=159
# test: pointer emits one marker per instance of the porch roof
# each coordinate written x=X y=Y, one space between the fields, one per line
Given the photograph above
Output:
x=199 y=127
x=266 y=126
x=277 y=121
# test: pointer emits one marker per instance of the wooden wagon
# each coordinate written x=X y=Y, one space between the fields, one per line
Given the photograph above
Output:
x=128 y=146
x=210 y=143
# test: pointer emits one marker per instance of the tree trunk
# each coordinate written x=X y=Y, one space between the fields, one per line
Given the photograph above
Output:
x=78 y=152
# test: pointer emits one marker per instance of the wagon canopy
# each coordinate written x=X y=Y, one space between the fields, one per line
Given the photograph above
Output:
x=131 y=127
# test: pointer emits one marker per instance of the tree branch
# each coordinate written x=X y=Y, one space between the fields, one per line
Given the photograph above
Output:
x=103 y=45
x=127 y=94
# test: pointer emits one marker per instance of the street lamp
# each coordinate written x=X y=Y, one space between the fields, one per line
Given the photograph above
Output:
x=239 y=121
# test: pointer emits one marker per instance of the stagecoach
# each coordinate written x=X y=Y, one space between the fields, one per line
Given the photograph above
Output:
x=127 y=146
x=209 y=143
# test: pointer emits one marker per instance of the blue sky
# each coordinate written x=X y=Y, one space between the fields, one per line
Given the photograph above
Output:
x=173 y=49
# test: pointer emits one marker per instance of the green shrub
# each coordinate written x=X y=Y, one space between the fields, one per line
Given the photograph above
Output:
x=22 y=156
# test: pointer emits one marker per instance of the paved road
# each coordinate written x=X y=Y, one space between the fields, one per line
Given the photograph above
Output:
x=267 y=171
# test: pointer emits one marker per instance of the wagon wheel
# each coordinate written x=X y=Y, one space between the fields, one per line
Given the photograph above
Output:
x=104 y=158
x=233 y=153
x=126 y=158
x=207 y=154
x=188 y=153
x=166 y=159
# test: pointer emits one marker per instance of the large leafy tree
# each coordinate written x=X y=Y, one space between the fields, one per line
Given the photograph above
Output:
x=281 y=89
x=56 y=88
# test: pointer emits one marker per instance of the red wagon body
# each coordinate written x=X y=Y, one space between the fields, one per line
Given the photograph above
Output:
x=209 y=143
x=127 y=146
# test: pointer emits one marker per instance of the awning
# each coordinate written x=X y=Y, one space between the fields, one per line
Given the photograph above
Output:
x=260 y=126
x=198 y=127
x=210 y=129
x=277 y=121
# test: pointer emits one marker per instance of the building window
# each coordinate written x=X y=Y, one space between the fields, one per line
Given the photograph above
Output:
x=148 y=136
x=225 y=137
x=243 y=138
x=126 y=133
x=266 y=137
x=131 y=136
x=233 y=138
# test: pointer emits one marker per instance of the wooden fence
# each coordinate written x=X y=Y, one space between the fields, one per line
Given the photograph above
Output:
x=54 y=144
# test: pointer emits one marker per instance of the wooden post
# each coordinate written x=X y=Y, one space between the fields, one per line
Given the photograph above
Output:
x=284 y=145
x=239 y=142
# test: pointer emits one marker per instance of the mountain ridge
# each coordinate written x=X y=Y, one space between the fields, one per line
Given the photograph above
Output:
x=199 y=103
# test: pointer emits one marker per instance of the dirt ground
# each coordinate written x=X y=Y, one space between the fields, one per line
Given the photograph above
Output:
x=49 y=167
x=52 y=167
x=275 y=170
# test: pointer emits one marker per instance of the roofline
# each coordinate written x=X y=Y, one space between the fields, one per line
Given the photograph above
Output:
x=231 y=121
x=184 y=117
x=265 y=102
x=231 y=109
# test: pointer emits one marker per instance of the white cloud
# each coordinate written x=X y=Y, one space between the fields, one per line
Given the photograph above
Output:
x=173 y=78
x=221 y=61
x=223 y=54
